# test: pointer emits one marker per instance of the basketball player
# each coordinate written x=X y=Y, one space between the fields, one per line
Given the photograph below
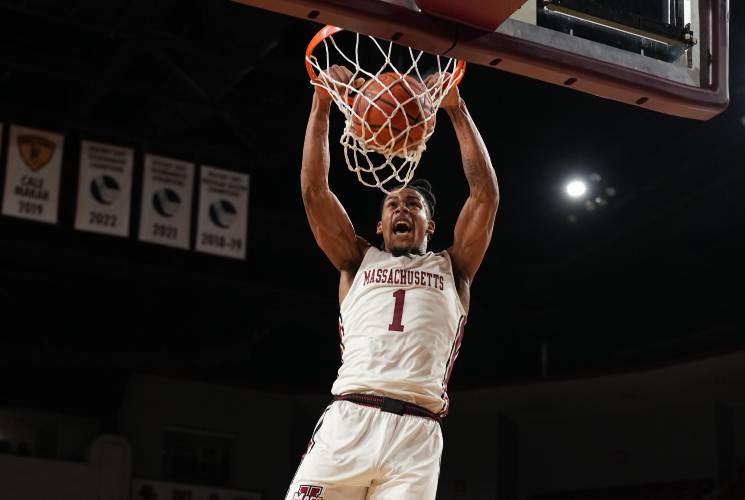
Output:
x=403 y=309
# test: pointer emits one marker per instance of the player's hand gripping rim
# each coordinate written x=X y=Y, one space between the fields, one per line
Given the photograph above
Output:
x=338 y=78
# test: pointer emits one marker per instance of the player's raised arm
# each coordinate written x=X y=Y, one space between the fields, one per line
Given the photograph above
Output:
x=473 y=230
x=328 y=220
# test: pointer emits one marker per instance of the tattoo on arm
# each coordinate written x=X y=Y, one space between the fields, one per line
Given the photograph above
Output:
x=476 y=162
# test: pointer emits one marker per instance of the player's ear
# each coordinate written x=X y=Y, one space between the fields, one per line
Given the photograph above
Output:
x=430 y=227
x=379 y=229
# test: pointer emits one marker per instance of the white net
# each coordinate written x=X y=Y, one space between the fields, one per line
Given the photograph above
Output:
x=390 y=111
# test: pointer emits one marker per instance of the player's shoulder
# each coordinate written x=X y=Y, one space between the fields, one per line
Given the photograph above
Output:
x=441 y=258
x=444 y=254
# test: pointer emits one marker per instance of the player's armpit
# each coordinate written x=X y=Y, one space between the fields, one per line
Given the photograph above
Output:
x=332 y=229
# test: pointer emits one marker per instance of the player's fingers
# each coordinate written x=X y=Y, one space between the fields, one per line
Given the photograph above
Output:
x=432 y=79
x=346 y=77
x=328 y=74
x=340 y=73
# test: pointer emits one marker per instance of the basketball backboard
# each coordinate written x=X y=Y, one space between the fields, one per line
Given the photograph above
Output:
x=669 y=56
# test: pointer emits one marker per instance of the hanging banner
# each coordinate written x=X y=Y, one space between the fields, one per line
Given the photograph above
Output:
x=33 y=173
x=223 y=213
x=104 y=188
x=167 y=192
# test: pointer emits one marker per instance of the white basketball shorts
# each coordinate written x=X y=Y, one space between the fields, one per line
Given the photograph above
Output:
x=362 y=453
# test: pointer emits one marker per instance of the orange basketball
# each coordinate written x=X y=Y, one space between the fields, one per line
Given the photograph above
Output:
x=401 y=98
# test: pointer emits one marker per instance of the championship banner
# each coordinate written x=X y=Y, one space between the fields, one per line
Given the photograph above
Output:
x=223 y=213
x=33 y=174
x=104 y=188
x=167 y=193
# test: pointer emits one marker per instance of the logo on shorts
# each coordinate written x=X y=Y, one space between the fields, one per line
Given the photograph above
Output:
x=308 y=492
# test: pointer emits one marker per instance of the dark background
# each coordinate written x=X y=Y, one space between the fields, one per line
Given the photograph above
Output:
x=654 y=277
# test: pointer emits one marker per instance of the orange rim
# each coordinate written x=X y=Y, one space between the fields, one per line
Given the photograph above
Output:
x=322 y=34
x=458 y=71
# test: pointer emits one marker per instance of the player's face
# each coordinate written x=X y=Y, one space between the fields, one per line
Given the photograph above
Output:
x=405 y=223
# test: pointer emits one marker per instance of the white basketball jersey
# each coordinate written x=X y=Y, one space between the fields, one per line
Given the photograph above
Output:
x=401 y=325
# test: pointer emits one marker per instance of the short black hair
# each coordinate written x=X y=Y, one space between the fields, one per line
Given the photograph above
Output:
x=424 y=188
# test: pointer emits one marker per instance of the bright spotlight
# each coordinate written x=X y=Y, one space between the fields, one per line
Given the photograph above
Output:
x=575 y=189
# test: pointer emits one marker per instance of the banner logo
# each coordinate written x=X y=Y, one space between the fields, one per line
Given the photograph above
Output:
x=36 y=151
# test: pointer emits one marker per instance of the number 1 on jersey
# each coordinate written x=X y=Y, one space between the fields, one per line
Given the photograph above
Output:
x=398 y=311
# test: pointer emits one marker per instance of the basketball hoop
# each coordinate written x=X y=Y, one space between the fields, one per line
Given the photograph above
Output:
x=390 y=117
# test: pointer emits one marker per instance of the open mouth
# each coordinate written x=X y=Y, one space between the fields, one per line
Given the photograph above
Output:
x=401 y=227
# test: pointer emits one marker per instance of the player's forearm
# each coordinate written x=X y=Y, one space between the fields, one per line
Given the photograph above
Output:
x=315 y=167
x=482 y=180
